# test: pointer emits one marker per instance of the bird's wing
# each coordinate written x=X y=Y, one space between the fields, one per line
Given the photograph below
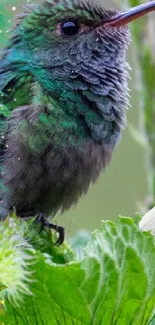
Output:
x=15 y=85
x=29 y=113
x=15 y=89
x=16 y=96
x=15 y=80
x=9 y=99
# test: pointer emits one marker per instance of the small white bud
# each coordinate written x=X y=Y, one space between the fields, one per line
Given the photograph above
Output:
x=148 y=222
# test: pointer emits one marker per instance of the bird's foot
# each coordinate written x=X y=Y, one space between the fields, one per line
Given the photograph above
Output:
x=41 y=220
x=44 y=223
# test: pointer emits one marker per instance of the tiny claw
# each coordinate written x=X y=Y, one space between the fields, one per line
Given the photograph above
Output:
x=44 y=223
x=60 y=230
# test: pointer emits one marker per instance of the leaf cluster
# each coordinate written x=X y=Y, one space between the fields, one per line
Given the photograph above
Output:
x=111 y=283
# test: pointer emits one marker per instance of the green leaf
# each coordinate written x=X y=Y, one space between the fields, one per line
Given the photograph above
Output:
x=112 y=284
x=152 y=321
x=79 y=241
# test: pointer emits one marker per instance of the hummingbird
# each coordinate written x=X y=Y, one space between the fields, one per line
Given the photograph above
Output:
x=64 y=94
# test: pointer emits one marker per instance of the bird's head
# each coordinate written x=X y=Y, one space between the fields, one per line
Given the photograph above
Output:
x=76 y=51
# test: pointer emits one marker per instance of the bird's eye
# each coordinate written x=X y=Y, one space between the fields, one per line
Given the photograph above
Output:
x=70 y=27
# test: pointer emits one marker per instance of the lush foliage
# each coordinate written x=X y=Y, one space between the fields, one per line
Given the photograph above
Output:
x=113 y=282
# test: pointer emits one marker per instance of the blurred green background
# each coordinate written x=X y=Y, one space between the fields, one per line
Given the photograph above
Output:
x=122 y=188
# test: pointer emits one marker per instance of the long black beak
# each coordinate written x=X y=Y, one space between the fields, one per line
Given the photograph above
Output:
x=125 y=17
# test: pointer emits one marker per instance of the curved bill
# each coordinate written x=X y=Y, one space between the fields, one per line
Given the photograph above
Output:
x=125 y=17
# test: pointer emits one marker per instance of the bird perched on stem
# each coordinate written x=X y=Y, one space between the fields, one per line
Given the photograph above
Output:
x=63 y=86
